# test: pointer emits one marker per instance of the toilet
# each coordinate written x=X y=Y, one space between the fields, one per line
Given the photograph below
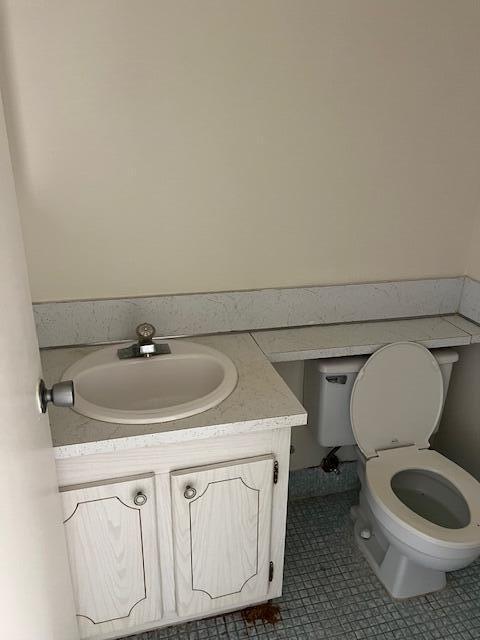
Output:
x=419 y=513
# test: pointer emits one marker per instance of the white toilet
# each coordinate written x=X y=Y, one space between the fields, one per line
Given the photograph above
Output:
x=419 y=513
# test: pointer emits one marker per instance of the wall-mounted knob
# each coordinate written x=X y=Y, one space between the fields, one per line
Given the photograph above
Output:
x=189 y=492
x=62 y=394
x=140 y=499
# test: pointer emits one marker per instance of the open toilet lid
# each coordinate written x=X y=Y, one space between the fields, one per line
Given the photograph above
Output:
x=397 y=398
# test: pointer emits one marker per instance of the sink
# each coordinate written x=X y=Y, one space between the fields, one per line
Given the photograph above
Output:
x=189 y=380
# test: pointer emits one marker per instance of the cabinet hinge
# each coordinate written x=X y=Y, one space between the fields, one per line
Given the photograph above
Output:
x=270 y=572
x=275 y=472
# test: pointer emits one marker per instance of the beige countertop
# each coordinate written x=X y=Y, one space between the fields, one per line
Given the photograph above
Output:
x=261 y=400
x=363 y=338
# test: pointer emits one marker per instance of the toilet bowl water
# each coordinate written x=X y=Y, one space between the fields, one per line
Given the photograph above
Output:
x=432 y=497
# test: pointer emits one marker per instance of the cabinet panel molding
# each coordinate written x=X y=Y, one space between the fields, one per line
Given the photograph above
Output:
x=222 y=533
x=228 y=572
x=236 y=508
x=100 y=532
x=113 y=556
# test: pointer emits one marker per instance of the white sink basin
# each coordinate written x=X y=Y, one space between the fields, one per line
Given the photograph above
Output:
x=189 y=380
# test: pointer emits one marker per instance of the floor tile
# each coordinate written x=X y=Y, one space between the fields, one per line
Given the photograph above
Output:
x=330 y=591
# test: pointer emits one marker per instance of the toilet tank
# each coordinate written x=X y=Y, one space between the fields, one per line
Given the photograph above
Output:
x=328 y=385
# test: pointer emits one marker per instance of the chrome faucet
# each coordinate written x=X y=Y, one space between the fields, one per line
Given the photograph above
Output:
x=145 y=347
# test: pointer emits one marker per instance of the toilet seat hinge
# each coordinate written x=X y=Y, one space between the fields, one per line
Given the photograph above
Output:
x=396 y=445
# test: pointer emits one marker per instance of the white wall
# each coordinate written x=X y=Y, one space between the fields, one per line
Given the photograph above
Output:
x=459 y=435
x=35 y=588
x=175 y=145
x=306 y=451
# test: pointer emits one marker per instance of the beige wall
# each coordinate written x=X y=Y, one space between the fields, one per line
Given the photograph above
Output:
x=171 y=146
x=459 y=435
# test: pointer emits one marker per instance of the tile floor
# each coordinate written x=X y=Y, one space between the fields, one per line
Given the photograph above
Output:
x=330 y=592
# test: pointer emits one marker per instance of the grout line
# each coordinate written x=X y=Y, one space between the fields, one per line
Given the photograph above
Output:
x=467 y=333
x=461 y=293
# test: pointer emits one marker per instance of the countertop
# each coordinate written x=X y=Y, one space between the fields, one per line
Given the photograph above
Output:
x=261 y=400
x=363 y=338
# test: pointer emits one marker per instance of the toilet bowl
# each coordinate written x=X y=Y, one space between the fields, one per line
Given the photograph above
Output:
x=419 y=513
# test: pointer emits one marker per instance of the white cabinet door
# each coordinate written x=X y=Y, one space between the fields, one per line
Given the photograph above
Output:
x=111 y=532
x=221 y=533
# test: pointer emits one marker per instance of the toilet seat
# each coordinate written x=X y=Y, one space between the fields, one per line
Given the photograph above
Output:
x=379 y=473
x=396 y=399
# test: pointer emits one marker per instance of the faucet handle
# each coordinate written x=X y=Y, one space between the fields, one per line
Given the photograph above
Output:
x=145 y=331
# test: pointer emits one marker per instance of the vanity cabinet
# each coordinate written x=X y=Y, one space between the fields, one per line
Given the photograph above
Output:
x=195 y=529
x=111 y=532
x=221 y=534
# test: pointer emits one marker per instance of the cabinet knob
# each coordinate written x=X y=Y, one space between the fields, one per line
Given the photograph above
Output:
x=140 y=499
x=189 y=492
